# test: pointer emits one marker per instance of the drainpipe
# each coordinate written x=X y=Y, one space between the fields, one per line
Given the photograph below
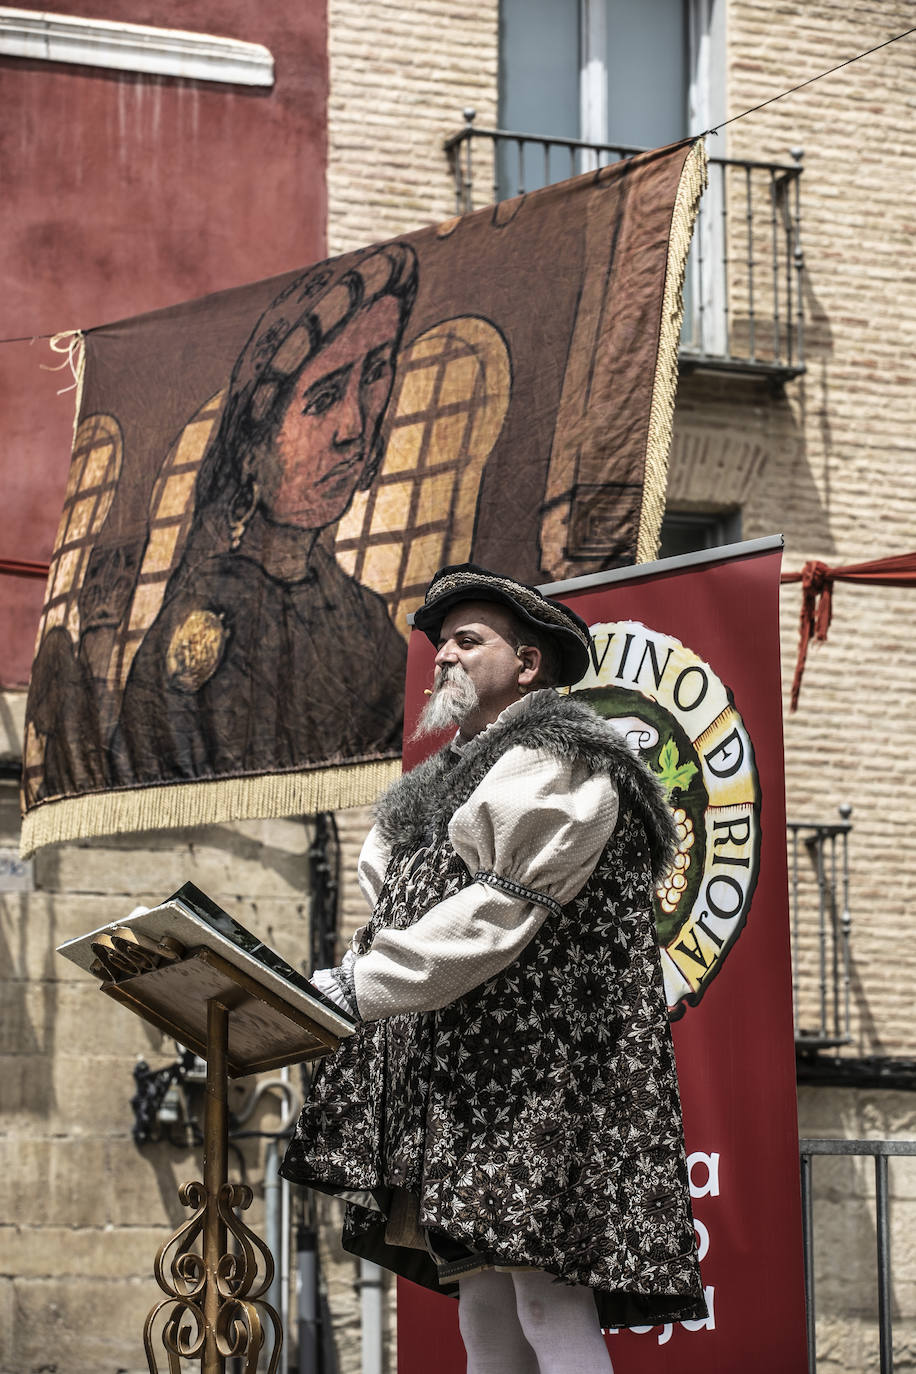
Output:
x=307 y=1298
x=272 y=1220
x=370 y=1287
x=284 y=1253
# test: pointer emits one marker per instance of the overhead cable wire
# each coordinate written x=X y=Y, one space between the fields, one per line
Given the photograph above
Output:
x=802 y=84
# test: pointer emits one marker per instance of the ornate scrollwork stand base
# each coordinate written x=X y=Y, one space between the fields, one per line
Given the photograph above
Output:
x=214 y=1308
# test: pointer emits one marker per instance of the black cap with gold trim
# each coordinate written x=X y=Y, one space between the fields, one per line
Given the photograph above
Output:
x=468 y=582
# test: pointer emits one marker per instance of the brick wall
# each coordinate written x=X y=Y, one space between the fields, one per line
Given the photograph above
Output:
x=83 y=1209
x=827 y=462
x=830 y=462
x=400 y=77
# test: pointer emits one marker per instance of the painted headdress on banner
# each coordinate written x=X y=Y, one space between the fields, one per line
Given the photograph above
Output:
x=308 y=317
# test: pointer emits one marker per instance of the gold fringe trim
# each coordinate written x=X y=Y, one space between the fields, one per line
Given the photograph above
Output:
x=178 y=805
x=664 y=389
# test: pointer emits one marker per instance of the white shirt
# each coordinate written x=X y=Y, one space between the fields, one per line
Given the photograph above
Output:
x=535 y=820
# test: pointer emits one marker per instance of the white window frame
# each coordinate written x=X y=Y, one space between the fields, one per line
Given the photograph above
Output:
x=43 y=36
x=592 y=78
x=705 y=57
x=705 y=329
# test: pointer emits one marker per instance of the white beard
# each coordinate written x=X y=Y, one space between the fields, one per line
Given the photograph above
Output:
x=453 y=699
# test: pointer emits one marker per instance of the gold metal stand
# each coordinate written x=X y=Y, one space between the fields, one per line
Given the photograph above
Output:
x=191 y=970
x=220 y=1292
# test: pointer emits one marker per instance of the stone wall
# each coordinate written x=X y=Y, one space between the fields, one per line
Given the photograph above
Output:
x=82 y=1208
x=845 y=1228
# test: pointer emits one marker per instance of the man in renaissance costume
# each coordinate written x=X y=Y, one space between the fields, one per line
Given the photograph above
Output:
x=505 y=1124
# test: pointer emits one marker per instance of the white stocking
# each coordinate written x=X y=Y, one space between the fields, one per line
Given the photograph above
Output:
x=560 y=1323
x=489 y=1327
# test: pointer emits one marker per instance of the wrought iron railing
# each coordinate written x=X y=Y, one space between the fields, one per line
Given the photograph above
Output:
x=881 y=1151
x=743 y=292
x=821 y=925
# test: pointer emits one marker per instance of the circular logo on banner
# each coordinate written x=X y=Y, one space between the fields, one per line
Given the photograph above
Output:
x=681 y=719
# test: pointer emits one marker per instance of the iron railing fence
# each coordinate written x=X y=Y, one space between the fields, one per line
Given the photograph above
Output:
x=821 y=925
x=744 y=310
x=881 y=1151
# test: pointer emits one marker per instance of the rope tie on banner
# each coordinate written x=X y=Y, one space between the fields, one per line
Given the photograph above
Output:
x=70 y=343
x=816 y=614
x=817 y=582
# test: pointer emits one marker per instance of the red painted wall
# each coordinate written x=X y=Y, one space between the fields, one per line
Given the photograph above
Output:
x=125 y=193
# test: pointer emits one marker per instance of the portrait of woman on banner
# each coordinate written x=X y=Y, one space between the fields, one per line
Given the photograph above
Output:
x=266 y=655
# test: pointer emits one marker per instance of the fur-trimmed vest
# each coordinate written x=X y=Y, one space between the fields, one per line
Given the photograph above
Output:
x=537 y=1118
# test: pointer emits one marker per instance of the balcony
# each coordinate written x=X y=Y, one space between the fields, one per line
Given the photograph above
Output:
x=743 y=308
x=840 y=1207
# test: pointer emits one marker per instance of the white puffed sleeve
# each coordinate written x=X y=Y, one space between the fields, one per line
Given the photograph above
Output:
x=373 y=861
x=530 y=835
x=370 y=874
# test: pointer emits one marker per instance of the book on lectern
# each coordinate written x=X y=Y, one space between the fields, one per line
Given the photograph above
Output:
x=167 y=962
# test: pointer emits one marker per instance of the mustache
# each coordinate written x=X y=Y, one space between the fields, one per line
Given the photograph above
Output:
x=450 y=701
x=448 y=673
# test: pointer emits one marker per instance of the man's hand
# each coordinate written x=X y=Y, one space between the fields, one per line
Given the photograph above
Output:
x=337 y=984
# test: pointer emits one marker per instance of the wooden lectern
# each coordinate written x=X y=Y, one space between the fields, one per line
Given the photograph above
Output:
x=189 y=968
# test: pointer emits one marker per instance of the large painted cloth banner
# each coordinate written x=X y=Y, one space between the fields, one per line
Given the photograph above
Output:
x=263 y=482
x=686 y=659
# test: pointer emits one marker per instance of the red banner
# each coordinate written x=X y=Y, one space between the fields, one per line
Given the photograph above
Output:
x=686 y=658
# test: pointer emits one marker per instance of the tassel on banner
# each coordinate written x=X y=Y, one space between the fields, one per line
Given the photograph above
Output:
x=209 y=802
x=661 y=416
x=665 y=388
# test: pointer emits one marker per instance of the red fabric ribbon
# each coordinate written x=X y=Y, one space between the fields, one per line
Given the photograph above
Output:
x=817 y=597
x=19 y=568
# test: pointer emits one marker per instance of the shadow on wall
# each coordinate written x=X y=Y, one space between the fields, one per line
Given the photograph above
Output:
x=740 y=445
x=864 y=1023
x=202 y=855
x=814 y=396
x=28 y=1023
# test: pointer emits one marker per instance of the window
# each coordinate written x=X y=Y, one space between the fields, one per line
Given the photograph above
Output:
x=616 y=73
x=609 y=72
x=689 y=531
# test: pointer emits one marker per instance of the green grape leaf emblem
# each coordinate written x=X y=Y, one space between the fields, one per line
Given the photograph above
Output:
x=670 y=772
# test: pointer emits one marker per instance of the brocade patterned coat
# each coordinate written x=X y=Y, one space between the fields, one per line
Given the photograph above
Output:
x=536 y=1118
